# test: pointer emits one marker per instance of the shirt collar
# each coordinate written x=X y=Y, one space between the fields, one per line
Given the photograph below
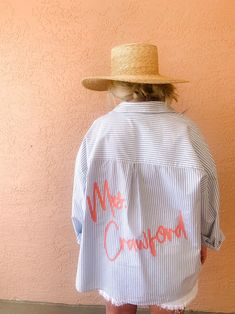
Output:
x=153 y=106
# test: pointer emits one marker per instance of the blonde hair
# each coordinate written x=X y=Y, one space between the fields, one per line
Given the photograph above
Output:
x=127 y=91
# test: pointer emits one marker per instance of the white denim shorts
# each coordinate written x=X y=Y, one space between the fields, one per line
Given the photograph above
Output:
x=179 y=304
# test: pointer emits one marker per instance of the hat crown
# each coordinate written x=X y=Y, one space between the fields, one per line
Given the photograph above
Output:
x=134 y=59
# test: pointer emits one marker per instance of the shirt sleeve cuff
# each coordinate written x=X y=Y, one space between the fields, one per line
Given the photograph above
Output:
x=79 y=238
x=214 y=244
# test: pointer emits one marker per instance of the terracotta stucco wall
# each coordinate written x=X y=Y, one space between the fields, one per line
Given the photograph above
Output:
x=45 y=49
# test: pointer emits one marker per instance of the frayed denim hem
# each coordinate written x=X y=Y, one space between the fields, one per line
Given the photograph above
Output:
x=163 y=306
x=183 y=302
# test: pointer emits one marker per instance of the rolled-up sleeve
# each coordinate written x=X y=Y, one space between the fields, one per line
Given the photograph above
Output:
x=78 y=194
x=211 y=234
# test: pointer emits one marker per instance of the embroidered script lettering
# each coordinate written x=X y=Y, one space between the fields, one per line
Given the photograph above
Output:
x=149 y=240
x=115 y=202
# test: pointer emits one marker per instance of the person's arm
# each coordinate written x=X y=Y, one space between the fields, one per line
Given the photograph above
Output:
x=78 y=195
x=203 y=253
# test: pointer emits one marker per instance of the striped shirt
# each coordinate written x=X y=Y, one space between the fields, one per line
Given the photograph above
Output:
x=145 y=197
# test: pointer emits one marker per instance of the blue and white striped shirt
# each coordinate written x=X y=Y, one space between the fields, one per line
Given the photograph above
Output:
x=145 y=197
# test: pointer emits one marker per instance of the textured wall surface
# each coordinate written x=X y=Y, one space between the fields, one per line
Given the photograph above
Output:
x=46 y=47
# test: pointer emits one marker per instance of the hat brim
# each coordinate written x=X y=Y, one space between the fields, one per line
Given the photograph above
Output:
x=101 y=83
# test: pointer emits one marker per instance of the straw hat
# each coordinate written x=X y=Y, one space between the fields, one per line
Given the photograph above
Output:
x=134 y=62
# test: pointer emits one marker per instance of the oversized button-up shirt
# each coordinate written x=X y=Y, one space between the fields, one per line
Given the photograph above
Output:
x=145 y=198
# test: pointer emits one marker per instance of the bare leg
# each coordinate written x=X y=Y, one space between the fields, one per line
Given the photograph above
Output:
x=158 y=310
x=122 y=309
